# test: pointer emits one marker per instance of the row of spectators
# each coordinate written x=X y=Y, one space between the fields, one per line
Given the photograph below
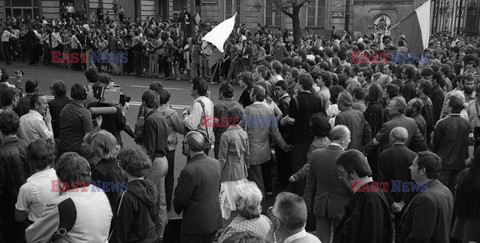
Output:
x=338 y=130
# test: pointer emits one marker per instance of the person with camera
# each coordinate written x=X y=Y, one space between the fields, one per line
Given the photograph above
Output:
x=113 y=122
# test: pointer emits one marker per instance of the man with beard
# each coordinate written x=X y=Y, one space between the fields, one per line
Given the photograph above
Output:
x=414 y=109
x=468 y=85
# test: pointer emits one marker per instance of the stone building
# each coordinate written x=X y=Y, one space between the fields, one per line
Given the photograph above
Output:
x=318 y=16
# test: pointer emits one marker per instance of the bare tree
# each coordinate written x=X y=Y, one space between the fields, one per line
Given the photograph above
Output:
x=291 y=8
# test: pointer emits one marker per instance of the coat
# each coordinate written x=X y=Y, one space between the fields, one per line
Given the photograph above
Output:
x=415 y=140
x=360 y=130
x=325 y=193
x=138 y=213
x=197 y=196
x=428 y=217
x=393 y=164
x=367 y=219
x=259 y=123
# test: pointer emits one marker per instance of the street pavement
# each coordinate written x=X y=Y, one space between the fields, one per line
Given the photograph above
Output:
x=131 y=85
x=134 y=87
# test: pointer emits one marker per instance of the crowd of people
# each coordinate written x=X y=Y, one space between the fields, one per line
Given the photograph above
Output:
x=370 y=151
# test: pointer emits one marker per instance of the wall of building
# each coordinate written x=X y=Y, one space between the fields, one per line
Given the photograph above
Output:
x=366 y=11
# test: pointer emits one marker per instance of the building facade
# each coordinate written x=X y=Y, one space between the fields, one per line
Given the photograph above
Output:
x=318 y=16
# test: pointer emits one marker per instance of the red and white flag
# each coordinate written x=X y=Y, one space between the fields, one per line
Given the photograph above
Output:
x=416 y=28
x=220 y=33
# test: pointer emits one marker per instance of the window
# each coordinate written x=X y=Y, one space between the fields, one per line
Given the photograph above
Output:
x=315 y=16
x=273 y=16
x=26 y=8
x=232 y=7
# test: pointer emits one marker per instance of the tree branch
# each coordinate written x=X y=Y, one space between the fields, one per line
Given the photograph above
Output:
x=282 y=7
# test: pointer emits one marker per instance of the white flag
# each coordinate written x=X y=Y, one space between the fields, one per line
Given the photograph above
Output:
x=220 y=33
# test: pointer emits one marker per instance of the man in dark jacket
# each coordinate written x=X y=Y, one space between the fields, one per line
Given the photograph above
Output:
x=155 y=142
x=410 y=85
x=393 y=166
x=197 y=192
x=367 y=215
x=137 y=214
x=325 y=194
x=13 y=174
x=283 y=158
x=354 y=120
x=300 y=111
x=395 y=109
x=428 y=216
x=450 y=141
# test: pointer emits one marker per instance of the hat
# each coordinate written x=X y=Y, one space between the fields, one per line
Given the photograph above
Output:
x=402 y=36
x=85 y=26
x=311 y=58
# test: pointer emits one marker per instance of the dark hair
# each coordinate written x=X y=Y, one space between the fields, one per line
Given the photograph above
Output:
x=226 y=89
x=156 y=86
x=426 y=72
x=409 y=71
x=431 y=162
x=41 y=153
x=439 y=79
x=455 y=103
x=150 y=98
x=73 y=169
x=319 y=125
x=92 y=75
x=7 y=96
x=335 y=90
x=59 y=88
x=235 y=114
x=292 y=210
x=306 y=80
x=200 y=85
x=354 y=161
x=31 y=86
x=259 y=92
x=426 y=86
x=35 y=99
x=282 y=84
x=375 y=94
x=135 y=161
x=164 y=96
x=467 y=200
x=78 y=92
x=358 y=93
x=392 y=90
x=105 y=78
x=5 y=76
x=9 y=123
x=248 y=78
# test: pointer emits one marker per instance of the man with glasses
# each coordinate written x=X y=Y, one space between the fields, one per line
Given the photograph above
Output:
x=289 y=217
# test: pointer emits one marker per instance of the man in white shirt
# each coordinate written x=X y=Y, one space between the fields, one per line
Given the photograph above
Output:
x=199 y=116
x=93 y=211
x=38 y=122
x=6 y=35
